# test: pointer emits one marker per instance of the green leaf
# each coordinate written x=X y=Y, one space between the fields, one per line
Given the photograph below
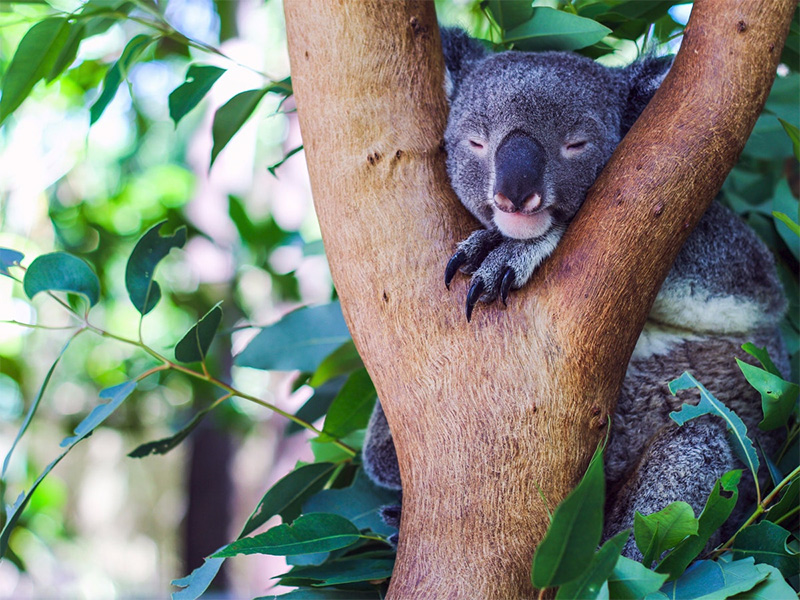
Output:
x=783 y=201
x=794 y=135
x=199 y=80
x=317 y=406
x=343 y=571
x=117 y=73
x=345 y=359
x=717 y=510
x=351 y=408
x=793 y=227
x=164 y=445
x=663 y=530
x=590 y=583
x=762 y=356
x=151 y=248
x=115 y=396
x=773 y=588
x=327 y=452
x=551 y=29
x=62 y=272
x=198 y=580
x=32 y=410
x=33 y=59
x=788 y=501
x=286 y=157
x=69 y=51
x=230 y=117
x=709 y=405
x=194 y=345
x=767 y=543
x=710 y=580
x=631 y=580
x=510 y=13
x=287 y=496
x=778 y=397
x=569 y=544
x=9 y=258
x=326 y=594
x=300 y=340
x=360 y=504
x=315 y=532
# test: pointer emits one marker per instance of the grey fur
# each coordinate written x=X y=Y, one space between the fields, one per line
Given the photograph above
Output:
x=722 y=290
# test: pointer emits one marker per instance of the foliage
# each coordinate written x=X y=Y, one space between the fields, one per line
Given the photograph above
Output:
x=331 y=532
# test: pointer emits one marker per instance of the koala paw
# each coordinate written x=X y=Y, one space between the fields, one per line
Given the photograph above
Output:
x=498 y=264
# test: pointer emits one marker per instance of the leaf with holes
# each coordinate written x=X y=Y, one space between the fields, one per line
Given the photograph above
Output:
x=199 y=81
x=151 y=248
x=61 y=272
x=778 y=397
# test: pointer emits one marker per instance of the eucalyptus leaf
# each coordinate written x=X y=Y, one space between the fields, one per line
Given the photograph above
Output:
x=510 y=13
x=631 y=580
x=762 y=356
x=783 y=201
x=783 y=218
x=194 y=345
x=197 y=582
x=315 y=532
x=709 y=405
x=766 y=542
x=569 y=544
x=794 y=135
x=62 y=272
x=589 y=585
x=773 y=588
x=345 y=359
x=164 y=445
x=551 y=29
x=300 y=340
x=344 y=571
x=352 y=407
x=115 y=395
x=230 y=117
x=712 y=580
x=327 y=452
x=9 y=258
x=117 y=73
x=33 y=59
x=151 y=248
x=789 y=500
x=199 y=81
x=317 y=406
x=286 y=157
x=327 y=594
x=68 y=52
x=778 y=397
x=663 y=530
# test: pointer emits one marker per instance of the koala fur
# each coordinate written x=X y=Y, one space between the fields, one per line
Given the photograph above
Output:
x=527 y=135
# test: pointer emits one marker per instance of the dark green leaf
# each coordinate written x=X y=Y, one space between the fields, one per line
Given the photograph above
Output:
x=347 y=570
x=794 y=135
x=117 y=73
x=631 y=580
x=287 y=496
x=166 y=444
x=709 y=405
x=151 y=248
x=762 y=356
x=783 y=201
x=510 y=13
x=712 y=580
x=352 y=407
x=33 y=59
x=316 y=532
x=778 y=397
x=286 y=157
x=199 y=80
x=717 y=510
x=766 y=543
x=663 y=530
x=198 y=580
x=300 y=340
x=61 y=272
x=788 y=501
x=115 y=396
x=569 y=544
x=69 y=50
x=345 y=359
x=551 y=29
x=317 y=406
x=9 y=258
x=773 y=588
x=360 y=504
x=230 y=117
x=194 y=345
x=590 y=583
x=326 y=594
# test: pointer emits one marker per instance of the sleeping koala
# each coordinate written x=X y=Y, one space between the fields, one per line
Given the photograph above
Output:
x=527 y=135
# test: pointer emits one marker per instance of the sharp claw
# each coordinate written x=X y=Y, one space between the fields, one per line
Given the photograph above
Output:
x=458 y=259
x=505 y=285
x=473 y=295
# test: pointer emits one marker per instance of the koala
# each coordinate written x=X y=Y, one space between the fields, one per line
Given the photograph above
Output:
x=527 y=135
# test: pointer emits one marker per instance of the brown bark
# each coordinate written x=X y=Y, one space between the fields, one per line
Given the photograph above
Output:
x=482 y=412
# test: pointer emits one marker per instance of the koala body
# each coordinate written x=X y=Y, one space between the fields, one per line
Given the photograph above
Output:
x=527 y=135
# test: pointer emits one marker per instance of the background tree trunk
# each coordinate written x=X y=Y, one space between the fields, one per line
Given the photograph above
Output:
x=481 y=412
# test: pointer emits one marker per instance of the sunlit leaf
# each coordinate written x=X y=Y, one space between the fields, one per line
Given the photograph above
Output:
x=68 y=52
x=343 y=571
x=9 y=258
x=631 y=580
x=199 y=80
x=551 y=29
x=510 y=13
x=570 y=542
x=766 y=542
x=194 y=345
x=115 y=395
x=148 y=252
x=793 y=227
x=317 y=406
x=230 y=117
x=62 y=272
x=712 y=580
x=352 y=406
x=33 y=59
x=315 y=532
x=773 y=588
x=783 y=201
x=762 y=356
x=778 y=397
x=345 y=359
x=117 y=73
x=709 y=405
x=198 y=580
x=590 y=582
x=663 y=530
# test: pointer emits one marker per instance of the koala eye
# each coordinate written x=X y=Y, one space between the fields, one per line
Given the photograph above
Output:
x=477 y=144
x=574 y=148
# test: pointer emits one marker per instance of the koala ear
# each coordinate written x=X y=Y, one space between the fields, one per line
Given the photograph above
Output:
x=644 y=77
x=459 y=51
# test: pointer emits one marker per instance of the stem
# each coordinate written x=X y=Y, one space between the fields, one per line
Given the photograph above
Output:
x=791 y=513
x=35 y=326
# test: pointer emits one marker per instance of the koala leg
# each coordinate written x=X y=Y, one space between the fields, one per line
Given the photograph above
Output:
x=378 y=453
x=679 y=463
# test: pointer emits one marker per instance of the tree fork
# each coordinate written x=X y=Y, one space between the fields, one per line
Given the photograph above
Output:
x=482 y=412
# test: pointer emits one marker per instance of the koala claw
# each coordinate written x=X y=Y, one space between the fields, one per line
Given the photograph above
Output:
x=458 y=259
x=505 y=285
x=475 y=291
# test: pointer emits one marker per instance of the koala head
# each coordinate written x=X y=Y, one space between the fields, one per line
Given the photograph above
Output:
x=528 y=133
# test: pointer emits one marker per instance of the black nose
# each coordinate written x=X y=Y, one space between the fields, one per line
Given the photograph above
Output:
x=519 y=164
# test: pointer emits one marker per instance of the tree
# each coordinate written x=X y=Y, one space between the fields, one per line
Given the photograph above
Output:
x=514 y=385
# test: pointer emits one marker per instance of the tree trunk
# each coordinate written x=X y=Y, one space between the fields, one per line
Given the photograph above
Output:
x=482 y=412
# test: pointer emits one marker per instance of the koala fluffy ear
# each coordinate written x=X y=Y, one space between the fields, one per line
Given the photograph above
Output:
x=644 y=77
x=459 y=51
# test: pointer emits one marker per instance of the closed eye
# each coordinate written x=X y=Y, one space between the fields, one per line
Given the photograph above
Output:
x=476 y=144
x=572 y=149
x=577 y=145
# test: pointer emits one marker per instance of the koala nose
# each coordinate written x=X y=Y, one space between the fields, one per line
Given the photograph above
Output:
x=519 y=164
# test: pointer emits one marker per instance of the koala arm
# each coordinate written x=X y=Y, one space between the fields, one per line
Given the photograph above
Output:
x=378 y=453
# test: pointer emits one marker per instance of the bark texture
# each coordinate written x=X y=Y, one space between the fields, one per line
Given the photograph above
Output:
x=482 y=412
